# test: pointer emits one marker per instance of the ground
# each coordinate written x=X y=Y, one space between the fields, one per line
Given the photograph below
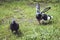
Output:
x=24 y=13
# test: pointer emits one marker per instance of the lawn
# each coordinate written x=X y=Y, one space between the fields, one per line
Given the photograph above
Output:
x=24 y=13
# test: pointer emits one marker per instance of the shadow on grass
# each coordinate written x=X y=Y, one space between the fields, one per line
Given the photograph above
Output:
x=19 y=33
x=49 y=23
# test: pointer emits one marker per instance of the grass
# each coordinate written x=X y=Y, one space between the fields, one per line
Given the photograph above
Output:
x=24 y=13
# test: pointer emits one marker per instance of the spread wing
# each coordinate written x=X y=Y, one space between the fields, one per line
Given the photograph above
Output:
x=46 y=9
